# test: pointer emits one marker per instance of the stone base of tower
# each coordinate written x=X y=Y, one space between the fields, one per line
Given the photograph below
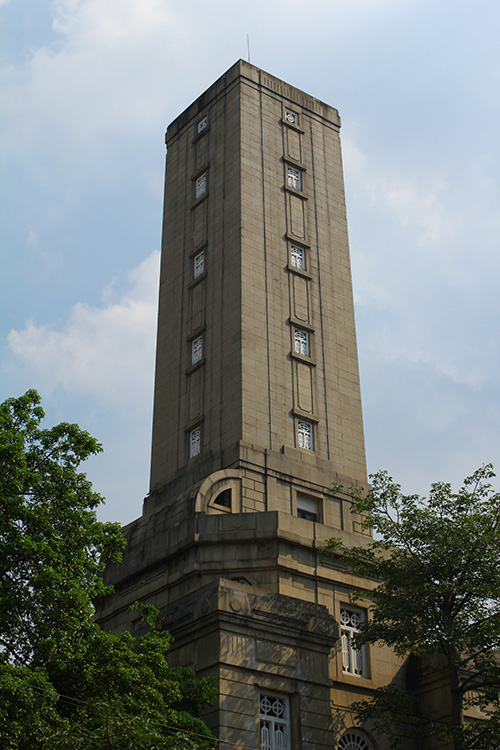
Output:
x=251 y=601
x=260 y=647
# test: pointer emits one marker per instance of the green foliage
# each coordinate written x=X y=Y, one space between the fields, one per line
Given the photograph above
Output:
x=437 y=564
x=64 y=683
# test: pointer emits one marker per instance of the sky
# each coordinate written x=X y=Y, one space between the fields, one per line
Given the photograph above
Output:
x=87 y=89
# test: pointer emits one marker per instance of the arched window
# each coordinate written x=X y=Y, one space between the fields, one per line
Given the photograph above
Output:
x=354 y=740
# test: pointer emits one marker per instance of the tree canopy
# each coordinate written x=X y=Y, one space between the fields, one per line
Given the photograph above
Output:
x=436 y=567
x=64 y=683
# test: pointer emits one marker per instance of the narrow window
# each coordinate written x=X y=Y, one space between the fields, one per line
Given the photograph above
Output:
x=305 y=435
x=308 y=508
x=301 y=342
x=194 y=442
x=274 y=723
x=298 y=257
x=203 y=124
x=198 y=264
x=291 y=116
x=353 y=659
x=196 y=350
x=201 y=185
x=294 y=178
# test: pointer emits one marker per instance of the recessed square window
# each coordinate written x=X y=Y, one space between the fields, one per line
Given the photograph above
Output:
x=196 y=350
x=308 y=508
x=201 y=185
x=203 y=124
x=301 y=342
x=298 y=257
x=291 y=117
x=194 y=442
x=305 y=435
x=198 y=264
x=294 y=178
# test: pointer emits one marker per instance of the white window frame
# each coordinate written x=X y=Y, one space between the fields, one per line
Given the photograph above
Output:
x=305 y=434
x=291 y=116
x=298 y=257
x=301 y=343
x=196 y=350
x=199 y=264
x=293 y=177
x=353 y=659
x=195 y=442
x=274 y=722
x=202 y=124
x=200 y=186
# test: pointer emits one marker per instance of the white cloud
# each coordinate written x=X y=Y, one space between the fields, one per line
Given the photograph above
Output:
x=419 y=205
x=107 y=351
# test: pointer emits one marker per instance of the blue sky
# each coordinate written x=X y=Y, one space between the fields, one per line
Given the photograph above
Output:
x=87 y=88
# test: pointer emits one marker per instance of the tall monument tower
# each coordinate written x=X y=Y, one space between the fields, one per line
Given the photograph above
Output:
x=257 y=412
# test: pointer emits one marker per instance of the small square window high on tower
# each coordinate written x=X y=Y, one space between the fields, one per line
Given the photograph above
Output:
x=196 y=350
x=194 y=442
x=301 y=342
x=202 y=124
x=305 y=435
x=198 y=264
x=201 y=186
x=298 y=257
x=291 y=117
x=294 y=178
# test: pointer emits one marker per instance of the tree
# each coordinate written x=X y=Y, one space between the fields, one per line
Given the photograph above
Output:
x=436 y=568
x=65 y=683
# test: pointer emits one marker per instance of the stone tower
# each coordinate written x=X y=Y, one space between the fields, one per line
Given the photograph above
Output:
x=257 y=412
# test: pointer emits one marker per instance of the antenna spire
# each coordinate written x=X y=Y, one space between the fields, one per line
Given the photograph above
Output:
x=248 y=46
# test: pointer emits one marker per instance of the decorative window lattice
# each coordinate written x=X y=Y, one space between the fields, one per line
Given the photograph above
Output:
x=274 y=723
x=298 y=257
x=353 y=659
x=301 y=342
x=197 y=350
x=194 y=442
x=201 y=185
x=294 y=178
x=198 y=264
x=203 y=124
x=353 y=740
x=305 y=435
x=291 y=116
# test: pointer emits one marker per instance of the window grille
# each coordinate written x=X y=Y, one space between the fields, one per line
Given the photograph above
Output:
x=353 y=659
x=301 y=342
x=201 y=185
x=197 y=350
x=294 y=178
x=194 y=442
x=298 y=257
x=353 y=740
x=291 y=116
x=203 y=124
x=274 y=723
x=198 y=264
x=305 y=435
